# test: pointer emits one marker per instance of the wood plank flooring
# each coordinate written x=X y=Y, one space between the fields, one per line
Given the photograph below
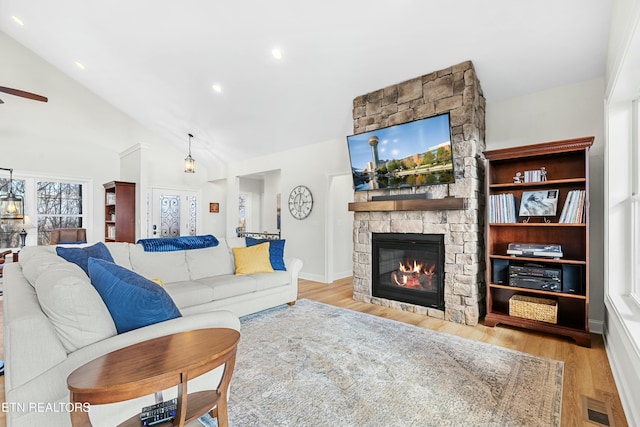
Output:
x=586 y=372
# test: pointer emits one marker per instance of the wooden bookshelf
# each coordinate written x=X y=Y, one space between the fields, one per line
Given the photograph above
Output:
x=567 y=165
x=120 y=211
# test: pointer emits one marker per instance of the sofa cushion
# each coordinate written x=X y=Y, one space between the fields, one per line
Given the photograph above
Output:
x=230 y=286
x=271 y=280
x=73 y=306
x=120 y=253
x=187 y=294
x=168 y=266
x=236 y=242
x=81 y=255
x=37 y=263
x=276 y=251
x=209 y=262
x=252 y=259
x=28 y=251
x=132 y=300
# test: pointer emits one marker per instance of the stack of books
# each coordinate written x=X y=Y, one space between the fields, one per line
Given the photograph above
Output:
x=533 y=176
x=502 y=208
x=573 y=209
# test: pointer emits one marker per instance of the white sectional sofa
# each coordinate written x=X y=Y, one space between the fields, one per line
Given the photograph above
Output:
x=55 y=321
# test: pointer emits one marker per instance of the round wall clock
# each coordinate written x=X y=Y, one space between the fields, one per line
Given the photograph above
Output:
x=300 y=202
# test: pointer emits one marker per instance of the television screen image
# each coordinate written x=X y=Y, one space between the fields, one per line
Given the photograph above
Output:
x=403 y=156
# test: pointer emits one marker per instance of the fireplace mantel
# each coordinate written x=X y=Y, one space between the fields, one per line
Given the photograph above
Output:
x=448 y=203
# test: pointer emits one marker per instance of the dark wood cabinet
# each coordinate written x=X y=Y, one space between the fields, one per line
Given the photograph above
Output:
x=565 y=176
x=120 y=211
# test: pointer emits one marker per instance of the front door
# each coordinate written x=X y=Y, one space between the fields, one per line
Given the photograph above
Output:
x=173 y=213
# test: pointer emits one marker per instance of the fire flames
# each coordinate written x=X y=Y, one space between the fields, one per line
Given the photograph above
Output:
x=414 y=275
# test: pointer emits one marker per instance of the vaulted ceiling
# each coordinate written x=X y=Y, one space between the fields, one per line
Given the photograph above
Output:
x=157 y=60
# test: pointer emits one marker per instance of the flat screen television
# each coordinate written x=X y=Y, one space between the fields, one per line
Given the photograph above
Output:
x=403 y=156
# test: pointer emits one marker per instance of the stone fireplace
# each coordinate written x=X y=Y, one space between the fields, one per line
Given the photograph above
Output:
x=452 y=212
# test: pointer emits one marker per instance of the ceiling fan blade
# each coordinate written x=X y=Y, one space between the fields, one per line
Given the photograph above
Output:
x=23 y=94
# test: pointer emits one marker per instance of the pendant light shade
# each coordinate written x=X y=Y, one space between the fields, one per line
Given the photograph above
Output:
x=189 y=162
x=11 y=206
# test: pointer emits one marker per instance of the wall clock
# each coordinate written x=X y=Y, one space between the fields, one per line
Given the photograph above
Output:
x=300 y=202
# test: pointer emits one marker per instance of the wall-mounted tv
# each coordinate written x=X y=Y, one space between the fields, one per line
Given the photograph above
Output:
x=403 y=156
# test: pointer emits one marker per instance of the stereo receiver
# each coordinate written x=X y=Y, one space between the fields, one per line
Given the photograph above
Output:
x=534 y=276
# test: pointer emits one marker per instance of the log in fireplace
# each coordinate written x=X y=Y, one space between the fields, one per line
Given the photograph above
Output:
x=409 y=268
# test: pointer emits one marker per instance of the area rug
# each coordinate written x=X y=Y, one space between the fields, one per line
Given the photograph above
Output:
x=318 y=365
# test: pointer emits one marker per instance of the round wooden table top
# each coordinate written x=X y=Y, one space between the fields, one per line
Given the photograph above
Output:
x=152 y=365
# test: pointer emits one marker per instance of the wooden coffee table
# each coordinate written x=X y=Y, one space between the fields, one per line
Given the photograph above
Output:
x=157 y=364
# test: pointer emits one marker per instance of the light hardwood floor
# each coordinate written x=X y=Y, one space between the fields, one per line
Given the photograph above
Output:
x=586 y=370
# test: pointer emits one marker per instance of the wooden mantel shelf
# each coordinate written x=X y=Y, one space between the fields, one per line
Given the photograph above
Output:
x=448 y=203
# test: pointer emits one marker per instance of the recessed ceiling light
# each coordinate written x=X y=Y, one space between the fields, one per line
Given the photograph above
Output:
x=17 y=20
x=217 y=88
x=80 y=65
x=277 y=53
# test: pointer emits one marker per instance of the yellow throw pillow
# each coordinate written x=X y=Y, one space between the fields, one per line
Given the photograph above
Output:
x=158 y=281
x=253 y=259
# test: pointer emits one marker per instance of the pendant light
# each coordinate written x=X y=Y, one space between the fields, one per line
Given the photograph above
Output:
x=189 y=162
x=11 y=206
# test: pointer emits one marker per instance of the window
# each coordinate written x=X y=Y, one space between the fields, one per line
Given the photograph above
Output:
x=49 y=203
x=635 y=200
x=10 y=229
x=59 y=205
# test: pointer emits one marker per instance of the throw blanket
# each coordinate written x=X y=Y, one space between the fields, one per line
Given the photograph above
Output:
x=169 y=244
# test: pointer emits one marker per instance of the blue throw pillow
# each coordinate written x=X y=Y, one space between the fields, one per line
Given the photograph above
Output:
x=80 y=256
x=276 y=251
x=132 y=300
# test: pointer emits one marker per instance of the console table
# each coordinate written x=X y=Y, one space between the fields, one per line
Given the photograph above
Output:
x=157 y=364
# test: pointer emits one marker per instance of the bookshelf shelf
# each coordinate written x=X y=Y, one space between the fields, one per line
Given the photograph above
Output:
x=567 y=169
x=549 y=183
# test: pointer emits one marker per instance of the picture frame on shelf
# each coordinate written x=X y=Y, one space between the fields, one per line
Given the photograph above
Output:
x=539 y=203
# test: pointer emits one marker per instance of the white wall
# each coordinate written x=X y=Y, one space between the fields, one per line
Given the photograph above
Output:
x=566 y=112
x=310 y=165
x=339 y=236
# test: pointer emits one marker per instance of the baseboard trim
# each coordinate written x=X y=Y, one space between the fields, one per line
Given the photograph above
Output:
x=596 y=326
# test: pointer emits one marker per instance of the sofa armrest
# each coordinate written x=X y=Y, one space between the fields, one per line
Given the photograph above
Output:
x=294 y=265
x=56 y=377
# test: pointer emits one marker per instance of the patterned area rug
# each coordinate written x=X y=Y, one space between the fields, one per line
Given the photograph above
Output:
x=318 y=365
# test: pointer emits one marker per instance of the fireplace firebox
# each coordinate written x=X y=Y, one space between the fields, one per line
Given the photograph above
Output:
x=409 y=268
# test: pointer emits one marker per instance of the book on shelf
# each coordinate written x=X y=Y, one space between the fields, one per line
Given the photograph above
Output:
x=502 y=208
x=533 y=175
x=573 y=209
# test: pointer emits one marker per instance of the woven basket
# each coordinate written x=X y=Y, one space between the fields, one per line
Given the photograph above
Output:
x=544 y=310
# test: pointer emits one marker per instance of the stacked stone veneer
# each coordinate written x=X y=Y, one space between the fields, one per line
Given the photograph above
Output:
x=455 y=90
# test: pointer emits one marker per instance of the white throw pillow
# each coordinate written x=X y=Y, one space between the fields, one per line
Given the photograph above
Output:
x=73 y=306
x=209 y=262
